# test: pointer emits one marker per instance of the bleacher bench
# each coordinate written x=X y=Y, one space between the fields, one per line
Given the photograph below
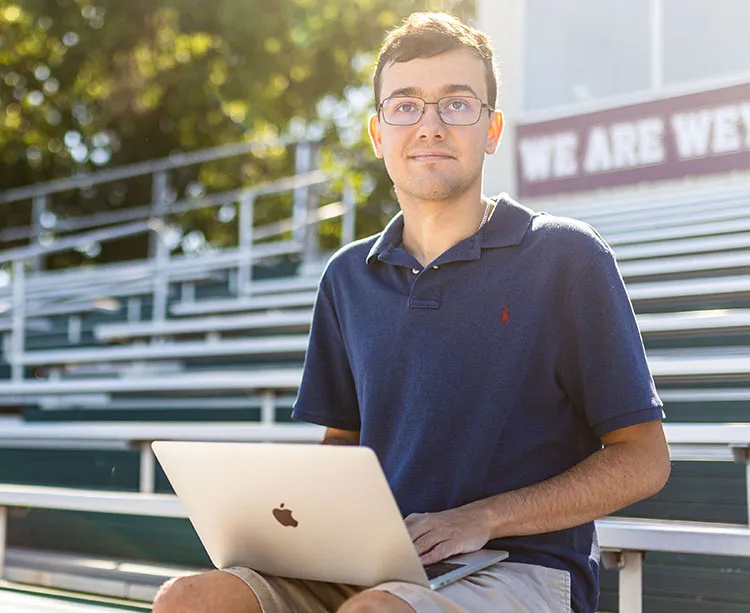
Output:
x=624 y=541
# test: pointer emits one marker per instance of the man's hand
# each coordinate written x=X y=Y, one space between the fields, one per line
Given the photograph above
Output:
x=633 y=465
x=437 y=536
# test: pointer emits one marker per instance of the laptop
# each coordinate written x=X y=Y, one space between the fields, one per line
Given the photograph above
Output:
x=318 y=512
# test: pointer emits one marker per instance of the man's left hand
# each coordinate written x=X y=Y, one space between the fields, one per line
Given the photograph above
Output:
x=437 y=536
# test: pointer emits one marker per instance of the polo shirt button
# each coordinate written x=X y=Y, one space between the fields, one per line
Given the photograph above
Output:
x=435 y=267
x=415 y=271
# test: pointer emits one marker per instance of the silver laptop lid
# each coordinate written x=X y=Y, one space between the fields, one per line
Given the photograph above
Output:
x=309 y=511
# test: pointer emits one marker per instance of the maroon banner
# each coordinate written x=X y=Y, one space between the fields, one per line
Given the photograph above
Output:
x=695 y=134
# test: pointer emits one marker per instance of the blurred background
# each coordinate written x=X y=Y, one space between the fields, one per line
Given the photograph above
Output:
x=174 y=175
x=86 y=86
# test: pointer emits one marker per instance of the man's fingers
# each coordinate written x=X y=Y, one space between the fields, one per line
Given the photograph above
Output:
x=417 y=525
x=438 y=553
x=417 y=531
x=426 y=542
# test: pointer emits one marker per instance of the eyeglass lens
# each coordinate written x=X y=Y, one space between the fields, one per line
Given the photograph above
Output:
x=453 y=110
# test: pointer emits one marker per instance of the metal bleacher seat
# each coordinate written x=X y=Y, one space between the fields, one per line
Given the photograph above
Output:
x=244 y=304
x=265 y=346
x=701 y=364
x=717 y=323
x=85 y=292
x=713 y=292
x=217 y=381
x=687 y=266
x=683 y=246
x=676 y=229
x=659 y=209
x=653 y=215
x=21 y=599
x=275 y=320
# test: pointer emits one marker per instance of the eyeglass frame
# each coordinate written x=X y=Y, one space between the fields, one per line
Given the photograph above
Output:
x=485 y=105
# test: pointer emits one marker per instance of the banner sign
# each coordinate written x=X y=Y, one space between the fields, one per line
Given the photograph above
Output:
x=695 y=134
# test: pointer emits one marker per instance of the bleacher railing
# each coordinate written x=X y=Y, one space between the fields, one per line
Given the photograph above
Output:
x=37 y=293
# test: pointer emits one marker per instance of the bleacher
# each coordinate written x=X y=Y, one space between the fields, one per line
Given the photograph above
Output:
x=81 y=407
x=685 y=260
x=97 y=363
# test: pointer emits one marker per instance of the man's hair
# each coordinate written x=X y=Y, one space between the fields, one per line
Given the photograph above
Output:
x=425 y=35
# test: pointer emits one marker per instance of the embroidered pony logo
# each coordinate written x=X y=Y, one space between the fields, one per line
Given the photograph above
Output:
x=504 y=316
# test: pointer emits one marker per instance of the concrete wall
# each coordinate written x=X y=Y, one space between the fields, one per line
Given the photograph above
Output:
x=503 y=22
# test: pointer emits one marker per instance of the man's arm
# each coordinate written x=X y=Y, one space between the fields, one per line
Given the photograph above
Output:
x=634 y=464
x=333 y=436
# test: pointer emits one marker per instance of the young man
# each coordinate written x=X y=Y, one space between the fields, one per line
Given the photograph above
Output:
x=487 y=353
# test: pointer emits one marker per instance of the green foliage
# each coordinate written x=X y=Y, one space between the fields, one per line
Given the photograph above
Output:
x=88 y=84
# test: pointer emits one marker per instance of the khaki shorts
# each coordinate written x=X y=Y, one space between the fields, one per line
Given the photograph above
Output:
x=504 y=587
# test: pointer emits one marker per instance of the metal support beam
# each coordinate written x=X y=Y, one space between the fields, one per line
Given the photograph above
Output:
x=311 y=249
x=245 y=240
x=350 y=210
x=159 y=247
x=302 y=164
x=148 y=468
x=3 y=539
x=268 y=408
x=38 y=209
x=159 y=204
x=631 y=582
x=17 y=339
x=742 y=454
x=75 y=329
x=134 y=309
x=161 y=281
x=233 y=281
x=187 y=292
x=305 y=202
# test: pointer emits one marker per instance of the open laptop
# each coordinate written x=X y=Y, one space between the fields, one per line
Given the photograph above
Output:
x=320 y=512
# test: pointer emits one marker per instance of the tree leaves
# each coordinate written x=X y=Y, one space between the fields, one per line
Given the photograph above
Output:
x=87 y=84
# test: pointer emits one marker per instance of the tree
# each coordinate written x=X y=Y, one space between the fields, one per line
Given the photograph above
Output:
x=87 y=84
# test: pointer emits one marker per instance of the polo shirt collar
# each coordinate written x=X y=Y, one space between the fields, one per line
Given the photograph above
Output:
x=508 y=224
x=389 y=238
x=506 y=228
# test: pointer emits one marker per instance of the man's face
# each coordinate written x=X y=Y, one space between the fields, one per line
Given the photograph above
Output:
x=431 y=160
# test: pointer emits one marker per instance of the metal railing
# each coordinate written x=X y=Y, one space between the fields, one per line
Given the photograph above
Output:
x=39 y=293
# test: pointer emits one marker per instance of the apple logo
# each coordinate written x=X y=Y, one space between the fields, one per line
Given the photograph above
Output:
x=284 y=517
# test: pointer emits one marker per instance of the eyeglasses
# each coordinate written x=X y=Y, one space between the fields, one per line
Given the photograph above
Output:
x=453 y=110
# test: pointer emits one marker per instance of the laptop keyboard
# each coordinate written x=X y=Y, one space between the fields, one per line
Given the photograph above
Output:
x=440 y=568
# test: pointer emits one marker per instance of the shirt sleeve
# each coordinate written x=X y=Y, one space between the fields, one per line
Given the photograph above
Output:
x=603 y=365
x=327 y=395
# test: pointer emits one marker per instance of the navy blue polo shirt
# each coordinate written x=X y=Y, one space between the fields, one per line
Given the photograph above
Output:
x=497 y=366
